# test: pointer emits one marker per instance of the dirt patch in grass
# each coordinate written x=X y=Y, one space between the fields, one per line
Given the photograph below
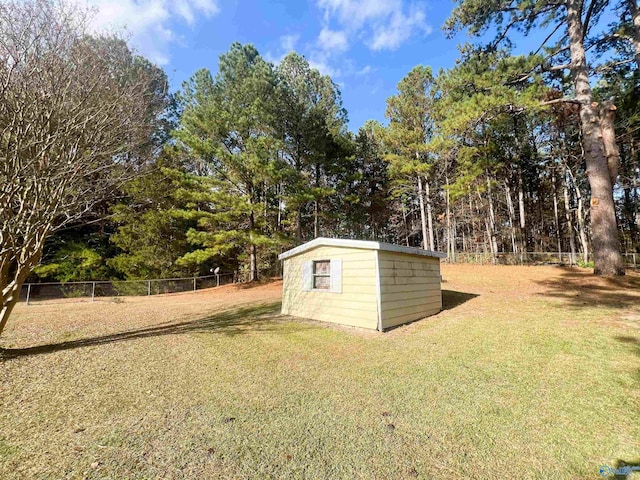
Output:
x=533 y=370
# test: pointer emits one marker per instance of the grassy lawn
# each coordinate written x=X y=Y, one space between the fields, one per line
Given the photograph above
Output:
x=529 y=372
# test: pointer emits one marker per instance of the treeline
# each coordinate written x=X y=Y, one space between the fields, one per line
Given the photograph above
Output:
x=259 y=159
x=500 y=154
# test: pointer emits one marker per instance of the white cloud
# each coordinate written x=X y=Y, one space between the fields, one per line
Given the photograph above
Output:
x=288 y=42
x=383 y=24
x=364 y=70
x=401 y=27
x=320 y=62
x=355 y=13
x=149 y=23
x=332 y=40
x=318 y=59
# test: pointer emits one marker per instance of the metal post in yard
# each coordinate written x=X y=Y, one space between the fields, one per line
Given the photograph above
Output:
x=28 y=292
x=217 y=280
x=93 y=290
x=148 y=287
x=634 y=262
x=194 y=284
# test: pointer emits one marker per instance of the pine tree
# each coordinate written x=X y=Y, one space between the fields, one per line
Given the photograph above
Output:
x=228 y=125
x=571 y=21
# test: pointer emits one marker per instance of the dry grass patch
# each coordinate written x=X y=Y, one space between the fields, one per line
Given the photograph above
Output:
x=527 y=370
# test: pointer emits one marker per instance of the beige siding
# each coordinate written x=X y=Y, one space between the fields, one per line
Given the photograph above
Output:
x=409 y=287
x=356 y=305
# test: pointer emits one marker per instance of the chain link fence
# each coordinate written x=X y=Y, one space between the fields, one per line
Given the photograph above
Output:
x=35 y=292
x=631 y=260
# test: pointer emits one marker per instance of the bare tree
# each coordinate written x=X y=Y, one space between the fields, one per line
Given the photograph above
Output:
x=72 y=108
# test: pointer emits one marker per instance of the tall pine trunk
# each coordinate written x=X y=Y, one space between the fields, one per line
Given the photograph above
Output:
x=423 y=219
x=569 y=216
x=253 y=251
x=599 y=151
x=635 y=31
x=582 y=227
x=492 y=220
x=450 y=233
x=429 y=214
x=404 y=221
x=512 y=214
x=524 y=237
x=556 y=214
x=316 y=205
x=299 y=225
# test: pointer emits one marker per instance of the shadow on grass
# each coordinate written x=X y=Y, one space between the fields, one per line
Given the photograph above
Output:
x=583 y=289
x=452 y=299
x=231 y=322
x=626 y=468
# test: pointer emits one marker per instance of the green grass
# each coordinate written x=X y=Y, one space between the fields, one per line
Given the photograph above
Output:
x=501 y=385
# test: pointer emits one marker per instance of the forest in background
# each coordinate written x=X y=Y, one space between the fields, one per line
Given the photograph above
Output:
x=485 y=158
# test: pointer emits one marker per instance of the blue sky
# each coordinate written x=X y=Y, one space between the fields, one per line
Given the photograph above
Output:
x=366 y=46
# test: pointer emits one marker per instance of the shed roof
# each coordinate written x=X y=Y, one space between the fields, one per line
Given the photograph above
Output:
x=362 y=244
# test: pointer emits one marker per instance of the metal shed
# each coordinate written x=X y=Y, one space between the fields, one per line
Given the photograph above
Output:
x=361 y=283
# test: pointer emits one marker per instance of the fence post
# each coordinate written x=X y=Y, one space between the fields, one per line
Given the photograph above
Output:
x=28 y=292
x=634 y=262
x=148 y=287
x=194 y=284
x=93 y=290
x=217 y=280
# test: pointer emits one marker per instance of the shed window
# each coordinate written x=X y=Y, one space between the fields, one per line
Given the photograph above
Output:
x=321 y=275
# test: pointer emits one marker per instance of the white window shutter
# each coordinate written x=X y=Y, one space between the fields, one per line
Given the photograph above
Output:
x=307 y=276
x=336 y=275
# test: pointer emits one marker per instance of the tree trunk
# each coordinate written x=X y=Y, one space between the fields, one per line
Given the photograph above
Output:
x=512 y=215
x=10 y=296
x=556 y=214
x=15 y=271
x=635 y=31
x=492 y=220
x=524 y=238
x=279 y=217
x=450 y=237
x=569 y=217
x=599 y=155
x=316 y=219
x=454 y=234
x=316 y=206
x=423 y=219
x=489 y=238
x=582 y=228
x=299 y=225
x=253 y=252
x=429 y=215
x=406 y=227
x=632 y=209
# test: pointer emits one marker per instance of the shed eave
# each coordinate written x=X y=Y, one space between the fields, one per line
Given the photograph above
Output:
x=361 y=244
